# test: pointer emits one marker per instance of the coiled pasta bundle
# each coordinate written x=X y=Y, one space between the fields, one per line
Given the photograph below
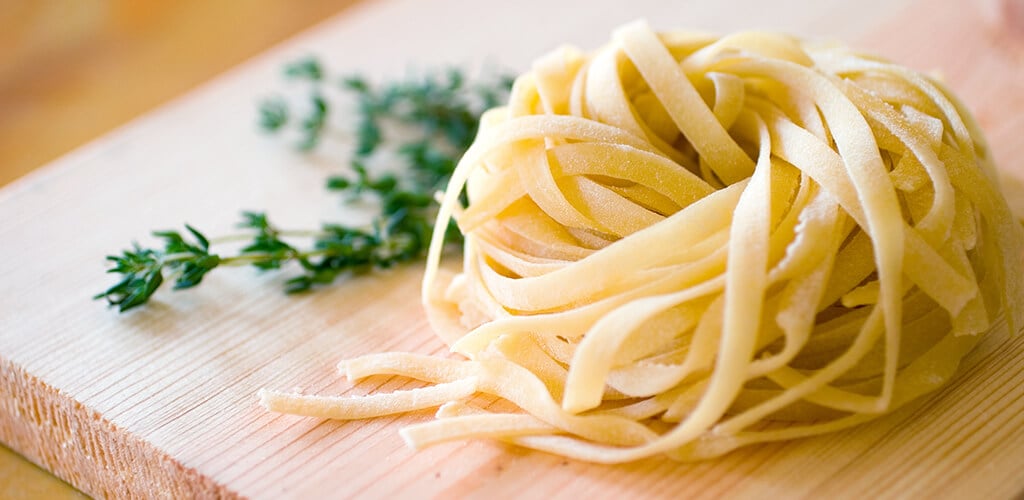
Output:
x=684 y=244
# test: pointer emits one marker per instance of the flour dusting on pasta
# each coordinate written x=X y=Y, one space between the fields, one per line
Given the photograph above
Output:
x=682 y=244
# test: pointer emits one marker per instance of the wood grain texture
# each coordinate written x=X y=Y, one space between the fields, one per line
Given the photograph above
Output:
x=160 y=402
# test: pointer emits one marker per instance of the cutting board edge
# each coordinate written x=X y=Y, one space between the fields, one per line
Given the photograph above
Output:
x=36 y=413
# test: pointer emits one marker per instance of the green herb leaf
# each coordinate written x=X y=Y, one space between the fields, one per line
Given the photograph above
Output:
x=143 y=268
x=273 y=114
x=313 y=124
x=271 y=250
x=308 y=69
x=439 y=113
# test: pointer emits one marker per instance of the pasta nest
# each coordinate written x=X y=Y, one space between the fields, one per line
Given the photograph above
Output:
x=683 y=244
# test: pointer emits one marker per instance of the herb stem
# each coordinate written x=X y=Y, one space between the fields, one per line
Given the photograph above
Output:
x=249 y=258
x=288 y=233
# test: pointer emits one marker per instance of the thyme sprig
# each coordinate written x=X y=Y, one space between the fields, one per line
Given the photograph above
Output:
x=439 y=114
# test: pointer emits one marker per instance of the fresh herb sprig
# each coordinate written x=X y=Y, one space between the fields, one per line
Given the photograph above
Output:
x=439 y=114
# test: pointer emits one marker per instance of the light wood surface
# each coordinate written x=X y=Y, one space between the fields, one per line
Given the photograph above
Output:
x=72 y=70
x=161 y=401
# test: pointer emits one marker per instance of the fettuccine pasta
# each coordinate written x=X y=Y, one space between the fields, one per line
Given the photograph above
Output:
x=682 y=244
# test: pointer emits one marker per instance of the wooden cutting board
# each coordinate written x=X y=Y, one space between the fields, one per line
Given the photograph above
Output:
x=161 y=401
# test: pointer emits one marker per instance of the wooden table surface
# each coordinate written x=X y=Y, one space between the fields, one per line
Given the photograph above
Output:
x=71 y=71
x=240 y=336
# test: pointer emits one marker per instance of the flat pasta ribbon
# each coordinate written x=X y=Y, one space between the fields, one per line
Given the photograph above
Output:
x=682 y=244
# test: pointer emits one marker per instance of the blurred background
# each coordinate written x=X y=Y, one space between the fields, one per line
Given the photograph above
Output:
x=71 y=70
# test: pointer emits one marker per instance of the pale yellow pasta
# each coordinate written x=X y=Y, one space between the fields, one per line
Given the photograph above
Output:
x=682 y=244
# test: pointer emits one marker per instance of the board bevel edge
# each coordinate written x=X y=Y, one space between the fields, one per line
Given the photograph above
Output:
x=122 y=463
